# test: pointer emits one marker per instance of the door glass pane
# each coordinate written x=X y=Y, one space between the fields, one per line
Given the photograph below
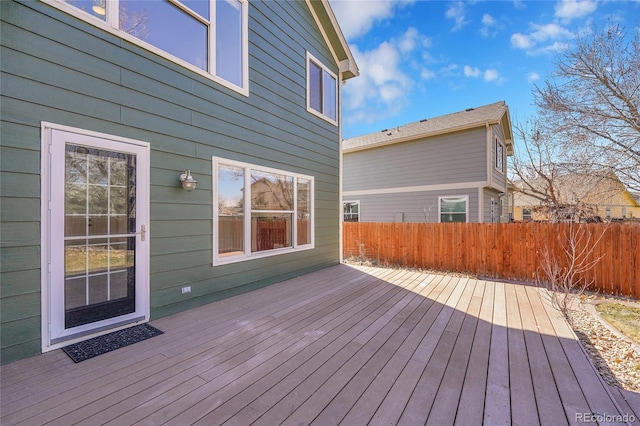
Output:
x=99 y=234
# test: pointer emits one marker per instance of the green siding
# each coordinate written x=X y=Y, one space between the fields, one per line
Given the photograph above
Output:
x=59 y=69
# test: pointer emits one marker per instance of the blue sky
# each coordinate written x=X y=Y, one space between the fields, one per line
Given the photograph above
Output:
x=421 y=59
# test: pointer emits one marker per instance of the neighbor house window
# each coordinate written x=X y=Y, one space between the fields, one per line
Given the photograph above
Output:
x=351 y=211
x=526 y=214
x=322 y=90
x=261 y=211
x=453 y=209
x=499 y=155
x=206 y=35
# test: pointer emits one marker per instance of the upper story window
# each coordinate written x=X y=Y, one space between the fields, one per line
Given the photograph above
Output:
x=208 y=36
x=322 y=90
x=499 y=155
x=261 y=211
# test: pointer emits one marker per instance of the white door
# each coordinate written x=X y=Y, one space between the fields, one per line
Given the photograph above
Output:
x=97 y=234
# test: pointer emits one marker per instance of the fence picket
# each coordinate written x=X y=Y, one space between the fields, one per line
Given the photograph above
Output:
x=506 y=251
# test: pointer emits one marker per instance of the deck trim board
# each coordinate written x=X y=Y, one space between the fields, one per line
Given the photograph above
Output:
x=345 y=345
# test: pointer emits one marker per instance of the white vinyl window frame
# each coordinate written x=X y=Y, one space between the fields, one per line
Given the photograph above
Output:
x=453 y=198
x=246 y=253
x=323 y=94
x=356 y=214
x=111 y=25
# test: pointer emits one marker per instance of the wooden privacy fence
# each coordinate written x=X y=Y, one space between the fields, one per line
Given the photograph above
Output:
x=506 y=251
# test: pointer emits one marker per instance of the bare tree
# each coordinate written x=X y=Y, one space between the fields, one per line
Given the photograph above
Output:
x=547 y=179
x=567 y=262
x=592 y=102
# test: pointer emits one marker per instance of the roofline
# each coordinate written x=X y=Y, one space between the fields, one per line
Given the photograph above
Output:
x=347 y=64
x=422 y=135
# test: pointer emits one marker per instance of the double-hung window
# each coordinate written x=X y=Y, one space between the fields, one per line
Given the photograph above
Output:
x=207 y=36
x=261 y=211
x=322 y=90
x=453 y=209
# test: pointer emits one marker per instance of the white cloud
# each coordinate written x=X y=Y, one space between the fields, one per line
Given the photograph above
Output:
x=356 y=17
x=533 y=77
x=547 y=32
x=449 y=70
x=427 y=74
x=521 y=41
x=491 y=75
x=571 y=9
x=488 y=75
x=384 y=84
x=471 y=72
x=490 y=26
x=456 y=11
x=542 y=39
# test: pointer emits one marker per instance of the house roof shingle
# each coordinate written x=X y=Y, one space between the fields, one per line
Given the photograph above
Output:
x=469 y=118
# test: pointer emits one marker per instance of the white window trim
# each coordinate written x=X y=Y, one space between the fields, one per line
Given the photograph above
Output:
x=466 y=204
x=499 y=166
x=351 y=202
x=311 y=58
x=244 y=90
x=248 y=255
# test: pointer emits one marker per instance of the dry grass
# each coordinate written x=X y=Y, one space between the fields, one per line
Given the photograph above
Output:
x=623 y=317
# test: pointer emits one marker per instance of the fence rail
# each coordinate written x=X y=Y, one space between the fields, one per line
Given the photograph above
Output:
x=506 y=251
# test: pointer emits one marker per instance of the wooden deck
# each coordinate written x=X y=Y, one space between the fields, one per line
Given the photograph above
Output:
x=345 y=345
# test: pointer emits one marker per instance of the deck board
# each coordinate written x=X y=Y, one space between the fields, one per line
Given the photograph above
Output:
x=352 y=345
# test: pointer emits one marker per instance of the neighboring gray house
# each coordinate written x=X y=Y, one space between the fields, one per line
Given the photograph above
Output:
x=106 y=104
x=451 y=168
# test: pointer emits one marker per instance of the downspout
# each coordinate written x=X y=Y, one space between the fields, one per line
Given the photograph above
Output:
x=489 y=157
x=340 y=200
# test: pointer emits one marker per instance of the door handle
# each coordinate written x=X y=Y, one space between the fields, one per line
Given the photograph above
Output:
x=142 y=233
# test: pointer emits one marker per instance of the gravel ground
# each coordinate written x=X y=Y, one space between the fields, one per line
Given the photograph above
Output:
x=617 y=360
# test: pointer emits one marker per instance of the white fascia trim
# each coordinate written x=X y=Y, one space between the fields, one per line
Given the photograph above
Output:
x=348 y=64
x=419 y=188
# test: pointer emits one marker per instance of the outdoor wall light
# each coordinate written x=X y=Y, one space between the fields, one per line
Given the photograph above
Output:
x=188 y=182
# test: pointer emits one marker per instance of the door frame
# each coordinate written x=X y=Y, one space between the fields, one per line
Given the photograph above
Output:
x=49 y=233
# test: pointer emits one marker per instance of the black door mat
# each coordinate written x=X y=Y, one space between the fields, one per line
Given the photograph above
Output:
x=87 y=349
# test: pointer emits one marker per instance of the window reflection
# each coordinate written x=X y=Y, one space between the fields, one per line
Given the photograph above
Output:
x=203 y=33
x=271 y=191
x=167 y=27
x=230 y=210
x=229 y=41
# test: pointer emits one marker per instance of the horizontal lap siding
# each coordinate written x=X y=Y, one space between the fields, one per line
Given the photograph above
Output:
x=56 y=68
x=445 y=159
x=415 y=206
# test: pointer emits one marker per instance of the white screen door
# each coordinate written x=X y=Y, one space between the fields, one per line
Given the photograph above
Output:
x=97 y=234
